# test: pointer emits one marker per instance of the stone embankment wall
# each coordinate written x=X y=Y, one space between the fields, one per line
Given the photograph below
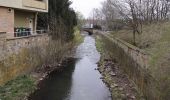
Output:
x=134 y=62
x=20 y=55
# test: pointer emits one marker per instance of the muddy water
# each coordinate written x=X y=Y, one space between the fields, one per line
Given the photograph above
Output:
x=79 y=80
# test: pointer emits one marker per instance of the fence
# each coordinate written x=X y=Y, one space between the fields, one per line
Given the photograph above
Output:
x=28 y=33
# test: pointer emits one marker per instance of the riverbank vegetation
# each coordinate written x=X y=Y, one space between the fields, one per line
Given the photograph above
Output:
x=60 y=20
x=61 y=24
x=155 y=40
x=144 y=24
x=78 y=38
x=18 y=89
x=119 y=85
x=24 y=85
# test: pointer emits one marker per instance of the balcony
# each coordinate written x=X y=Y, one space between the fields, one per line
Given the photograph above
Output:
x=36 y=4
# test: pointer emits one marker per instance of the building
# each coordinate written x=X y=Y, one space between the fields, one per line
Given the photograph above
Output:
x=20 y=15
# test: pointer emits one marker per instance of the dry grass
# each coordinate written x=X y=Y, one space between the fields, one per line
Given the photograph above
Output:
x=57 y=50
x=155 y=40
x=78 y=38
x=51 y=54
x=151 y=33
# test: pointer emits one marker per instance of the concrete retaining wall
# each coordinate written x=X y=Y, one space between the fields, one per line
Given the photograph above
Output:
x=134 y=62
x=20 y=55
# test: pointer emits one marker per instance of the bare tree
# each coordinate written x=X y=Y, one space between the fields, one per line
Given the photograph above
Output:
x=135 y=13
x=113 y=19
x=80 y=20
x=97 y=16
x=130 y=13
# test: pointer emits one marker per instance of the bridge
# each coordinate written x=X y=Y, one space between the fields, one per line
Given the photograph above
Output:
x=89 y=30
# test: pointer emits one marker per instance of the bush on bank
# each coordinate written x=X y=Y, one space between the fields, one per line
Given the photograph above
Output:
x=23 y=85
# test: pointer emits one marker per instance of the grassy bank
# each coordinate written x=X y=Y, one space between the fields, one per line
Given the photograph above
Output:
x=155 y=40
x=18 y=89
x=78 y=38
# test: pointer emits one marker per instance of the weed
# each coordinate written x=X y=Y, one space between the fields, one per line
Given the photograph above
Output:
x=17 y=89
x=155 y=40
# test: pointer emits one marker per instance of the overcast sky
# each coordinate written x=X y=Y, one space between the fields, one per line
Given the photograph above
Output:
x=86 y=6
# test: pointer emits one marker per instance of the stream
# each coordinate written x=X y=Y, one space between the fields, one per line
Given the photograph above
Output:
x=79 y=80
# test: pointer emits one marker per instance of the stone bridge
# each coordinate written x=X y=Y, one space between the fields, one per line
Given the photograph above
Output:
x=89 y=30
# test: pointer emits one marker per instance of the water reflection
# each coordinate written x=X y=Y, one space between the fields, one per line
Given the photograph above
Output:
x=57 y=86
x=79 y=81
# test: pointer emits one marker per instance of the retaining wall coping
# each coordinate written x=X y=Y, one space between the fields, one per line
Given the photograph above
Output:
x=23 y=37
x=130 y=46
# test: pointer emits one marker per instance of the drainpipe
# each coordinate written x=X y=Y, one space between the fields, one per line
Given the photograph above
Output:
x=35 y=27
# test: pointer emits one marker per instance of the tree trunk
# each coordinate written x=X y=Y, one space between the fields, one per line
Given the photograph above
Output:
x=134 y=37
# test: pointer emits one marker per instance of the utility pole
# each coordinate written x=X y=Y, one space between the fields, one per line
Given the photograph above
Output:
x=93 y=20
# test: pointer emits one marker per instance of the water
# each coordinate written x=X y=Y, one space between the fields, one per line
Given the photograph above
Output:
x=79 y=80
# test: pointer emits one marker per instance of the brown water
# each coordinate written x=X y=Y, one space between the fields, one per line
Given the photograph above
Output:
x=79 y=80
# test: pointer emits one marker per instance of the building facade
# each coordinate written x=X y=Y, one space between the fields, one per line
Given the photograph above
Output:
x=20 y=15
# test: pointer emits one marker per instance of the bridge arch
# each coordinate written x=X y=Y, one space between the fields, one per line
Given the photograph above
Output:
x=89 y=30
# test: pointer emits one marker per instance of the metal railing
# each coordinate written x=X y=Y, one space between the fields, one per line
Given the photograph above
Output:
x=29 y=33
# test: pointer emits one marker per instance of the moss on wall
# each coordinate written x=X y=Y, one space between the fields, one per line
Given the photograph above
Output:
x=22 y=56
x=18 y=64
